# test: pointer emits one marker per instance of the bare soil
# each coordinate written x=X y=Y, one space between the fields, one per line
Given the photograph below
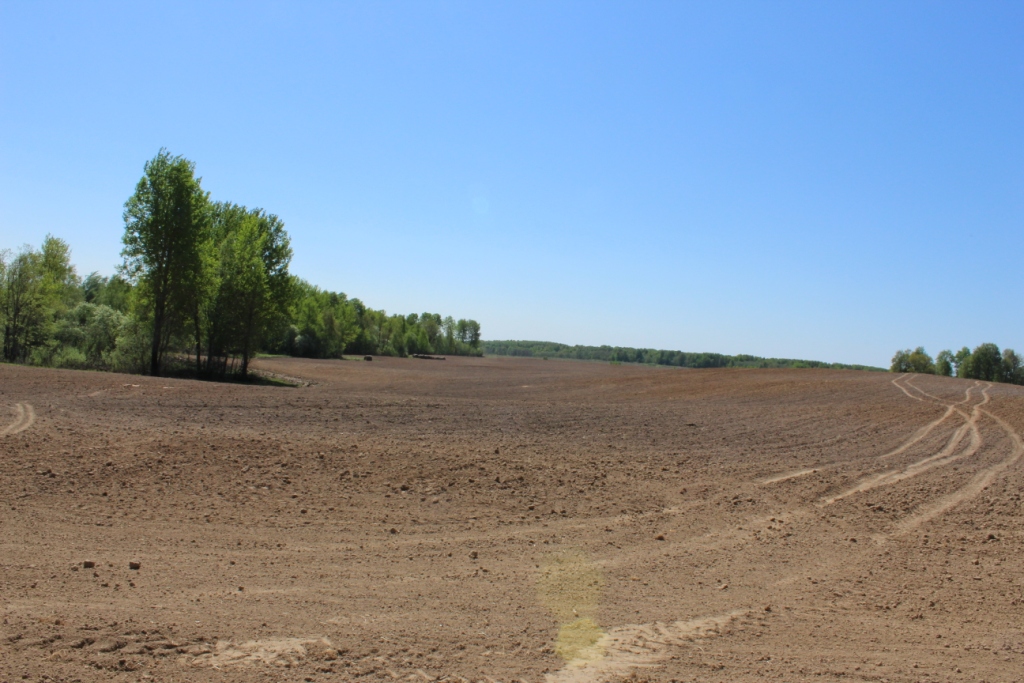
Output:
x=510 y=520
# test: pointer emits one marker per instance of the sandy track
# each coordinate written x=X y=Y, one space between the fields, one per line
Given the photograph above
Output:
x=625 y=649
x=927 y=429
x=26 y=417
x=944 y=456
x=979 y=483
x=788 y=475
x=641 y=646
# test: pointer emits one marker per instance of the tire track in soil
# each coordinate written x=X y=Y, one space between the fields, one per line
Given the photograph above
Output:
x=928 y=428
x=26 y=418
x=945 y=456
x=979 y=483
x=914 y=438
x=624 y=649
x=788 y=475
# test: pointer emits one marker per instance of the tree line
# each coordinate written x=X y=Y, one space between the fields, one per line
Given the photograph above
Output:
x=985 y=362
x=202 y=288
x=625 y=354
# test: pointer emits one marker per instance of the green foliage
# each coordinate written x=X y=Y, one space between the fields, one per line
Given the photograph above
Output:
x=249 y=284
x=985 y=363
x=93 y=329
x=201 y=283
x=329 y=324
x=959 y=359
x=1013 y=367
x=36 y=289
x=944 y=363
x=131 y=351
x=166 y=232
x=67 y=357
x=113 y=291
x=622 y=354
x=913 y=361
x=87 y=335
x=900 y=362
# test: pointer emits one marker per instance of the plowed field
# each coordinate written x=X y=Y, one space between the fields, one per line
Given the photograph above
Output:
x=510 y=520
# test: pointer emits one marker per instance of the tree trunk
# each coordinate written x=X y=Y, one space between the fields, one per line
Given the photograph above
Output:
x=199 y=345
x=247 y=344
x=154 y=357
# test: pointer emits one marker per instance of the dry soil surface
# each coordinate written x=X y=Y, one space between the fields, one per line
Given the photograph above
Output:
x=510 y=520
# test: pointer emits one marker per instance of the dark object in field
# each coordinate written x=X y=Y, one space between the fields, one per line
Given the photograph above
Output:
x=426 y=357
x=367 y=357
x=135 y=565
x=88 y=565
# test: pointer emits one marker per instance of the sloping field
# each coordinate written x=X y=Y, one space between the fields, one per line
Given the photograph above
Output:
x=511 y=520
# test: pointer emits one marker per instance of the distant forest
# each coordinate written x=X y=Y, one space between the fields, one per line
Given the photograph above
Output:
x=681 y=359
x=203 y=287
x=985 y=362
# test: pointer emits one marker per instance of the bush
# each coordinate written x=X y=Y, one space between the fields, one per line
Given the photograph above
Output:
x=131 y=352
x=70 y=357
x=913 y=361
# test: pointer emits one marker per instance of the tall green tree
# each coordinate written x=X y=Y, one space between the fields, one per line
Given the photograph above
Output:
x=913 y=361
x=22 y=304
x=448 y=325
x=944 y=363
x=984 y=363
x=61 y=284
x=1013 y=367
x=251 y=290
x=36 y=288
x=959 y=358
x=254 y=286
x=472 y=333
x=166 y=227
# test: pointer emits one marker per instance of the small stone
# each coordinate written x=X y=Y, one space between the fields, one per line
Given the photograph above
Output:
x=659 y=537
x=136 y=566
x=88 y=564
x=473 y=555
x=394 y=530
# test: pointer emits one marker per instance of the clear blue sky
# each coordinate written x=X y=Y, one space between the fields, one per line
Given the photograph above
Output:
x=823 y=180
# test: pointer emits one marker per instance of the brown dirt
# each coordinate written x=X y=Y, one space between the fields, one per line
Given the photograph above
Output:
x=510 y=520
